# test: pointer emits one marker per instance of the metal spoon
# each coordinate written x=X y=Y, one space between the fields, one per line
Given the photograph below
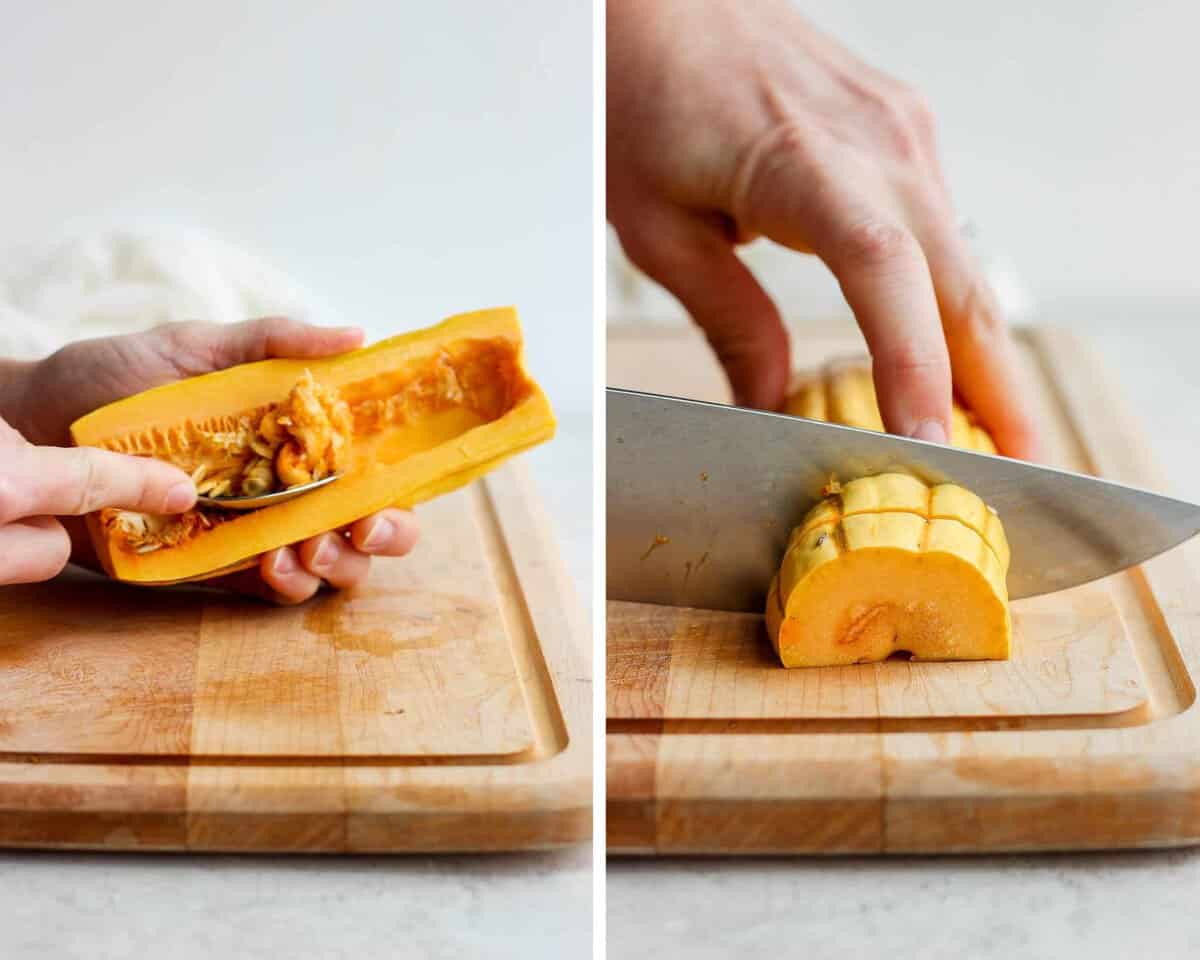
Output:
x=266 y=499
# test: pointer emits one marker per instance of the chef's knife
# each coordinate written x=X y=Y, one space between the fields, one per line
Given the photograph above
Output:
x=702 y=497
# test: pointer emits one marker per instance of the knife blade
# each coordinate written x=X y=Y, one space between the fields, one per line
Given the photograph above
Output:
x=701 y=498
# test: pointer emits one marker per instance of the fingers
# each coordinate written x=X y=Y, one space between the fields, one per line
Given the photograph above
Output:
x=33 y=549
x=276 y=337
x=41 y=481
x=694 y=259
x=885 y=278
x=285 y=580
x=798 y=190
x=331 y=558
x=981 y=349
x=389 y=533
x=291 y=575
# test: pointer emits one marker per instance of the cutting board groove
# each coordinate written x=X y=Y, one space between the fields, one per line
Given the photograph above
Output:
x=1089 y=736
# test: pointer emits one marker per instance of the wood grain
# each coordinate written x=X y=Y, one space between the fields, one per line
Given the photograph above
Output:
x=1088 y=737
x=443 y=706
x=1070 y=657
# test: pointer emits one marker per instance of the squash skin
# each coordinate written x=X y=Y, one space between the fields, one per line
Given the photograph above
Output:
x=843 y=392
x=448 y=450
x=888 y=563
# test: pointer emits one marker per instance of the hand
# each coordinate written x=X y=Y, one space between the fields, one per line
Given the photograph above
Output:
x=730 y=120
x=39 y=483
x=88 y=374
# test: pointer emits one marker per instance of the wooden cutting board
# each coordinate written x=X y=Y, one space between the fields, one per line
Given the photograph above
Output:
x=1088 y=737
x=443 y=706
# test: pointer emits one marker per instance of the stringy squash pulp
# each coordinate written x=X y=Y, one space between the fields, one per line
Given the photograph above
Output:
x=402 y=421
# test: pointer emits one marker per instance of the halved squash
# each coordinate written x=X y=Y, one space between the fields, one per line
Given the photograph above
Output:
x=402 y=421
x=886 y=564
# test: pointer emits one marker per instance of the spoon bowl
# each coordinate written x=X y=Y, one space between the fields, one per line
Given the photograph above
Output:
x=266 y=499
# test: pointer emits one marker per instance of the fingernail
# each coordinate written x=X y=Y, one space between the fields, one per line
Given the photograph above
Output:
x=180 y=497
x=380 y=534
x=326 y=554
x=930 y=430
x=285 y=562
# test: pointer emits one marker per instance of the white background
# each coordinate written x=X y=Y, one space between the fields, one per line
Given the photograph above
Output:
x=1068 y=129
x=1069 y=135
x=403 y=161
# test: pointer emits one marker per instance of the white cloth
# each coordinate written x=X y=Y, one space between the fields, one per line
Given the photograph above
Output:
x=127 y=279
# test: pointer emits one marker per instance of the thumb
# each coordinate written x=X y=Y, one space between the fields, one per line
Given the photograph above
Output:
x=204 y=347
x=58 y=481
x=695 y=261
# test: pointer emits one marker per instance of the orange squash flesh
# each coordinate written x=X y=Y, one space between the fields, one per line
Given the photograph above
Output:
x=462 y=402
x=887 y=564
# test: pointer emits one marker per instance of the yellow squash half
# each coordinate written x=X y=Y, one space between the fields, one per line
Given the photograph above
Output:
x=403 y=421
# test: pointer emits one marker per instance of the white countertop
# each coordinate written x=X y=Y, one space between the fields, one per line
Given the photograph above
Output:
x=104 y=907
x=1092 y=906
x=1095 y=906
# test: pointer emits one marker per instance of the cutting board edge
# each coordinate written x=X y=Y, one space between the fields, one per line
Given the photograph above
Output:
x=1124 y=800
x=540 y=804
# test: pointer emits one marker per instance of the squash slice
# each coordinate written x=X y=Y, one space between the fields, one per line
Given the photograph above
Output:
x=888 y=564
x=402 y=421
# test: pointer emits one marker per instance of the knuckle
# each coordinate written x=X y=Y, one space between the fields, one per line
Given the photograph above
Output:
x=252 y=340
x=275 y=323
x=874 y=244
x=258 y=329
x=177 y=334
x=976 y=316
x=179 y=345
x=902 y=114
x=149 y=492
x=790 y=152
x=170 y=344
x=902 y=134
x=89 y=492
x=912 y=361
x=790 y=143
x=921 y=112
x=746 y=345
